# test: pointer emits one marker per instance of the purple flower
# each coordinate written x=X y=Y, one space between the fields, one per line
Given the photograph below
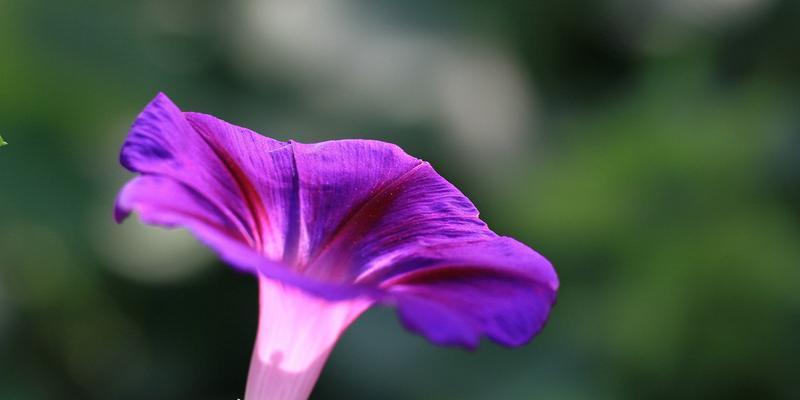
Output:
x=331 y=229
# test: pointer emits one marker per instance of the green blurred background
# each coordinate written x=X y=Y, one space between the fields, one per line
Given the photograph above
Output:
x=649 y=148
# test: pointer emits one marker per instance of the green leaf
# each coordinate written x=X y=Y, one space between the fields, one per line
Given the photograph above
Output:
x=2 y=142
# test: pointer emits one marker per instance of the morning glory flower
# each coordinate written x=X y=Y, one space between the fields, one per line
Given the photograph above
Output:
x=330 y=229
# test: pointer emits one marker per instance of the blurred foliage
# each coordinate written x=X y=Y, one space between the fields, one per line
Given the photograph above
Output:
x=660 y=174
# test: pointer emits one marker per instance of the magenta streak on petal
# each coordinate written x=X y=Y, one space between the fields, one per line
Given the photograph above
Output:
x=445 y=272
x=332 y=260
x=258 y=216
x=296 y=333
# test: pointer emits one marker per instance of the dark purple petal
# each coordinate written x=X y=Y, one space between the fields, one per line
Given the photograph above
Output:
x=455 y=294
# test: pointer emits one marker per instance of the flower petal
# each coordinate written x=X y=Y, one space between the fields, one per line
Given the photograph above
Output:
x=339 y=219
x=337 y=178
x=364 y=214
x=236 y=190
x=242 y=174
x=166 y=202
x=455 y=294
x=265 y=171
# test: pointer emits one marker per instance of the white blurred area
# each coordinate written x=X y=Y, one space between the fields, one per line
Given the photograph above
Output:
x=146 y=253
x=348 y=62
